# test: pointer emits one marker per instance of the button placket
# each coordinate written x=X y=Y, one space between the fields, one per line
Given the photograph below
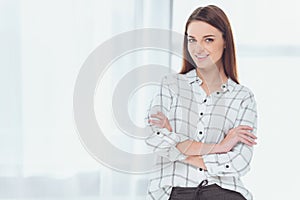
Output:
x=202 y=110
x=200 y=127
x=199 y=131
x=200 y=97
x=206 y=101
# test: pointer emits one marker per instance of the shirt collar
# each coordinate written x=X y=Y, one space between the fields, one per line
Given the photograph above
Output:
x=230 y=84
x=193 y=78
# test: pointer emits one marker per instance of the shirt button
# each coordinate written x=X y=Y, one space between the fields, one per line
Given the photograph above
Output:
x=218 y=92
x=200 y=169
x=200 y=132
x=205 y=100
x=227 y=166
x=157 y=132
x=223 y=86
x=201 y=113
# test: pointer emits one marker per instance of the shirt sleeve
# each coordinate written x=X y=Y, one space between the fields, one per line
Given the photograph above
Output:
x=237 y=161
x=160 y=140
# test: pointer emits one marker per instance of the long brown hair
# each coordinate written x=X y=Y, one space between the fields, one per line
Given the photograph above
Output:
x=214 y=16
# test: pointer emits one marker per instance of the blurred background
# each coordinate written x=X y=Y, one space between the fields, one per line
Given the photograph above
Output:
x=42 y=47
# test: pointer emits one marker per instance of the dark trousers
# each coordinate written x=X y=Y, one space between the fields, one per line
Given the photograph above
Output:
x=202 y=192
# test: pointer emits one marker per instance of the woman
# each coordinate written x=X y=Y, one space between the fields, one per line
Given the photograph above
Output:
x=203 y=121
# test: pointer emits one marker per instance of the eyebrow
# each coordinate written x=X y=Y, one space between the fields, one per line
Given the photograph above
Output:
x=203 y=36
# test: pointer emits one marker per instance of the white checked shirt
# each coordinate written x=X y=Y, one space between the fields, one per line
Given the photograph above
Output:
x=205 y=118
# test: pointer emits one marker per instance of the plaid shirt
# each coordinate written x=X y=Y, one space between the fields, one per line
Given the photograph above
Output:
x=205 y=118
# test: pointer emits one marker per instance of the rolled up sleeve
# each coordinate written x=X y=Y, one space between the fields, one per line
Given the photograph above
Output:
x=162 y=141
x=237 y=161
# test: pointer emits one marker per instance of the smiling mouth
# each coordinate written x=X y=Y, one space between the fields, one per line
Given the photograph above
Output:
x=201 y=57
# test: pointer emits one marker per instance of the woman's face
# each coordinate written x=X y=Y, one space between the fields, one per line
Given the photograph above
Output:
x=205 y=44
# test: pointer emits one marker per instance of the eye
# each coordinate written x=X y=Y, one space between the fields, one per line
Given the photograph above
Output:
x=191 y=40
x=209 y=40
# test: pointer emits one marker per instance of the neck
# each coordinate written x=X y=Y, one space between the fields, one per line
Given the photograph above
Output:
x=212 y=78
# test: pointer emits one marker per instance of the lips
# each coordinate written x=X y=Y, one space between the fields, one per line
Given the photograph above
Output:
x=201 y=57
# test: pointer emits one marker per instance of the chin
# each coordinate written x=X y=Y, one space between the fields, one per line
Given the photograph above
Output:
x=205 y=65
x=201 y=66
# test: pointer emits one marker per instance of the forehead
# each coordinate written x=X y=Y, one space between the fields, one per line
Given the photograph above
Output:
x=200 y=28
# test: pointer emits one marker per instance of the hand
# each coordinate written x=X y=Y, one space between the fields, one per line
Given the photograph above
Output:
x=236 y=135
x=162 y=122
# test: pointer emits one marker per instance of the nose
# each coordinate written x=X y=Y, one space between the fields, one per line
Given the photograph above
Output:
x=199 y=47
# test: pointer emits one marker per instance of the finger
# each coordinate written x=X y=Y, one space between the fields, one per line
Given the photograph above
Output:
x=249 y=134
x=162 y=115
x=243 y=140
x=158 y=116
x=156 y=123
x=165 y=122
x=161 y=124
x=152 y=121
x=162 y=121
x=250 y=140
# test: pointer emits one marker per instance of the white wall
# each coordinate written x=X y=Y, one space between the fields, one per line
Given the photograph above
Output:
x=44 y=44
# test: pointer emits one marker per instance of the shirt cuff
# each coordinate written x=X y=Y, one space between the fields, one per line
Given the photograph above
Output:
x=215 y=167
x=171 y=137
